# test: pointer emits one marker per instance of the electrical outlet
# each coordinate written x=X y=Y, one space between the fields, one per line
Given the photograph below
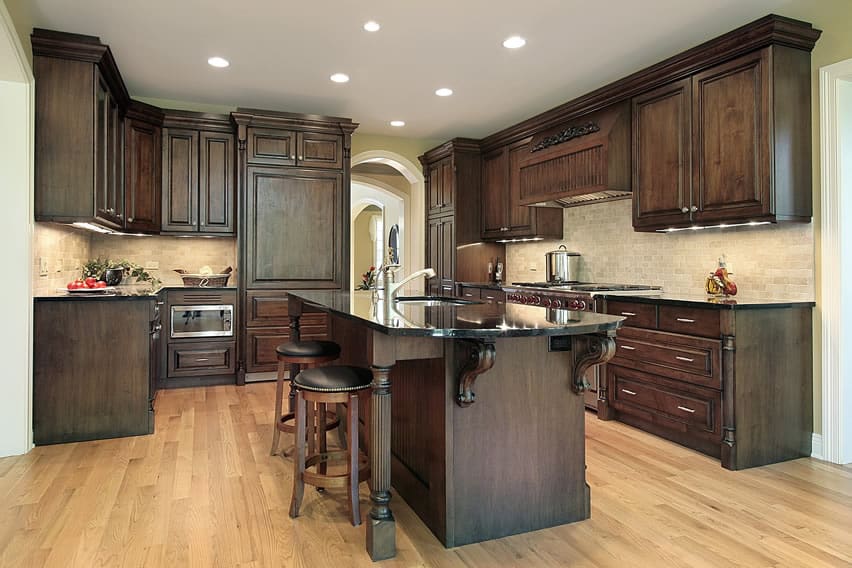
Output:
x=42 y=266
x=152 y=265
x=57 y=265
x=532 y=268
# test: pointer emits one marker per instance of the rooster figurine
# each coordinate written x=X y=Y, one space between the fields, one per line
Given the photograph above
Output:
x=720 y=282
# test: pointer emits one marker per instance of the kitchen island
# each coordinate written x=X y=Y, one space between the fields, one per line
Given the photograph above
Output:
x=485 y=434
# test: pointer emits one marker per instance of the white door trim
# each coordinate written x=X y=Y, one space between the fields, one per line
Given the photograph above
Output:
x=836 y=247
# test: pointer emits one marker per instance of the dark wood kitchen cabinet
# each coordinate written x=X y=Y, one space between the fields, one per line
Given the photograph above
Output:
x=79 y=130
x=730 y=143
x=503 y=217
x=454 y=248
x=97 y=384
x=143 y=167
x=199 y=174
x=732 y=381
x=294 y=226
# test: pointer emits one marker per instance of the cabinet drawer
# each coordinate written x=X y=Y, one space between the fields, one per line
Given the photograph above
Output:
x=261 y=343
x=208 y=358
x=692 y=359
x=638 y=315
x=662 y=403
x=692 y=321
x=492 y=296
x=469 y=293
x=267 y=308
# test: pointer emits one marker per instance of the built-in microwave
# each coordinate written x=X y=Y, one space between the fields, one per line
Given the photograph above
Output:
x=202 y=321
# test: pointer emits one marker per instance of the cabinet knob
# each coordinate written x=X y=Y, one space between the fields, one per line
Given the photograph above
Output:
x=685 y=210
x=504 y=228
x=694 y=208
x=202 y=223
x=293 y=156
x=301 y=158
x=130 y=219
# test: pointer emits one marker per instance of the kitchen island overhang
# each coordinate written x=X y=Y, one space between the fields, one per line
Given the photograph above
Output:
x=512 y=462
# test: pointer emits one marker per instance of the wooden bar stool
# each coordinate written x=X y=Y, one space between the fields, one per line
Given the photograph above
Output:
x=329 y=385
x=303 y=353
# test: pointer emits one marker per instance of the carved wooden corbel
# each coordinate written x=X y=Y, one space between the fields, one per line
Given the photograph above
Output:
x=482 y=356
x=589 y=350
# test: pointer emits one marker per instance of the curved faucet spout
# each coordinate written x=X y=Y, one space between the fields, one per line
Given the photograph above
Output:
x=392 y=288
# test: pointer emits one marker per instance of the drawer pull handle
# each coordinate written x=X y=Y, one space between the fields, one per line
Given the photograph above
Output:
x=628 y=347
x=687 y=359
x=631 y=393
x=685 y=409
x=685 y=320
x=200 y=359
x=628 y=314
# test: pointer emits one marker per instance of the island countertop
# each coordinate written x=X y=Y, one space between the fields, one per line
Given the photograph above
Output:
x=475 y=320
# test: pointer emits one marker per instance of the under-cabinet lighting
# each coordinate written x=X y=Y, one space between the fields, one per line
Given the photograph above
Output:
x=219 y=62
x=93 y=227
x=720 y=226
x=514 y=42
x=531 y=239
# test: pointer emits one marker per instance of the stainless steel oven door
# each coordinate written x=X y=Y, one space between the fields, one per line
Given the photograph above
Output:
x=202 y=321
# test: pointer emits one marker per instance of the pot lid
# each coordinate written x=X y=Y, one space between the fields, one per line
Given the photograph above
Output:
x=564 y=250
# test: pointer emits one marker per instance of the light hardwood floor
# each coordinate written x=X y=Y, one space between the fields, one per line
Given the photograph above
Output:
x=203 y=491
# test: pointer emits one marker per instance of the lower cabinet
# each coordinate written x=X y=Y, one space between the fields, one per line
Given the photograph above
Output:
x=200 y=359
x=733 y=380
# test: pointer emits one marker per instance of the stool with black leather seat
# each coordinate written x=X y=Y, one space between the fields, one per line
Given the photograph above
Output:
x=305 y=354
x=321 y=386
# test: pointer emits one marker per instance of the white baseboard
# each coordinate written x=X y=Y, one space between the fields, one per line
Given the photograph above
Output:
x=816 y=446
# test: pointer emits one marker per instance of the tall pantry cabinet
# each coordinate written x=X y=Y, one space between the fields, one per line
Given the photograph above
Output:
x=294 y=223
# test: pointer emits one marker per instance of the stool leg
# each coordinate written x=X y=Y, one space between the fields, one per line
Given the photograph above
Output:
x=323 y=447
x=299 y=461
x=279 y=396
x=352 y=419
x=312 y=427
x=341 y=426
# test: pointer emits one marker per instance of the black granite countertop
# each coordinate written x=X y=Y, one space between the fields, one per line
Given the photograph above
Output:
x=167 y=288
x=705 y=301
x=101 y=297
x=476 y=320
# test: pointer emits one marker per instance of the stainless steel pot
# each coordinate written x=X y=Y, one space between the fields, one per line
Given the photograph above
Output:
x=562 y=265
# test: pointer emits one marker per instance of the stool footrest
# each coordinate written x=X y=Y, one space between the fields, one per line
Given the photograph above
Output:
x=334 y=480
x=332 y=421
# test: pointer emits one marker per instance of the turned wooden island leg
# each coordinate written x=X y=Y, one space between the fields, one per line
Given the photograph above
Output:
x=381 y=527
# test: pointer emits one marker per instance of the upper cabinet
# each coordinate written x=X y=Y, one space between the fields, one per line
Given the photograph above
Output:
x=728 y=144
x=142 y=168
x=503 y=217
x=275 y=147
x=440 y=187
x=79 y=136
x=199 y=174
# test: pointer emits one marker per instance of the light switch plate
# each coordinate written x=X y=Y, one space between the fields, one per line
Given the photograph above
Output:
x=42 y=266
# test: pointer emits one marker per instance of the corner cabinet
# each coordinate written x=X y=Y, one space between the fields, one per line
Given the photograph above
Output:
x=293 y=173
x=503 y=217
x=452 y=174
x=80 y=105
x=199 y=174
x=729 y=144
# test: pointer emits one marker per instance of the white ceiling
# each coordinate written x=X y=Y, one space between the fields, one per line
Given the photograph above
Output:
x=283 y=52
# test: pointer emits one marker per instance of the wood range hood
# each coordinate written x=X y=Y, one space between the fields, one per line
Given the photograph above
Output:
x=585 y=160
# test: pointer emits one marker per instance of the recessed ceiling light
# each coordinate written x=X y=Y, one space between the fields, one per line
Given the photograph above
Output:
x=444 y=92
x=514 y=42
x=397 y=123
x=220 y=62
x=372 y=26
x=340 y=78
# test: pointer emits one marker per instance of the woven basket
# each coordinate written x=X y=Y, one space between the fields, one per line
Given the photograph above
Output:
x=205 y=280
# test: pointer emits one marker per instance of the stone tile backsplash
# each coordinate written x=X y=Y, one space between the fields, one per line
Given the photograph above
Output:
x=767 y=261
x=64 y=249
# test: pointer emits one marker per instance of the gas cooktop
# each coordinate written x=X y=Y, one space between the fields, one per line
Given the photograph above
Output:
x=591 y=288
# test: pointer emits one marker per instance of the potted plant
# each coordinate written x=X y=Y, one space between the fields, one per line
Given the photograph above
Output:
x=113 y=271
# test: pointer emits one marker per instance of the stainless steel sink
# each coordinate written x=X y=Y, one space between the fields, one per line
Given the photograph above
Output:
x=433 y=301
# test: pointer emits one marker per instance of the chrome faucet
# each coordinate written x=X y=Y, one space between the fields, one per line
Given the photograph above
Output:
x=392 y=288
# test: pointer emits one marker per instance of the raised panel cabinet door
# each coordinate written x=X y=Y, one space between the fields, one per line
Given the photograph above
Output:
x=520 y=216
x=448 y=184
x=731 y=140
x=102 y=156
x=433 y=249
x=115 y=163
x=320 y=150
x=271 y=147
x=143 y=177
x=448 y=253
x=662 y=143
x=216 y=183
x=294 y=228
x=180 y=180
x=434 y=189
x=495 y=193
